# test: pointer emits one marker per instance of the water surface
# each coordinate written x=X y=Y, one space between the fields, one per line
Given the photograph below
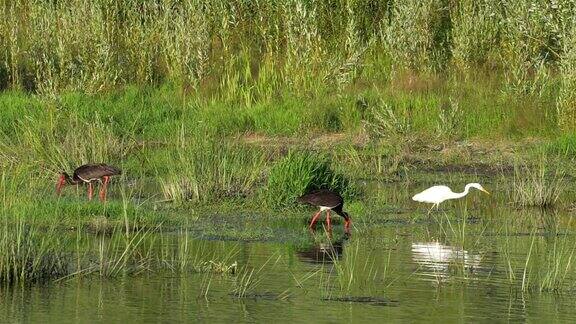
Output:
x=477 y=260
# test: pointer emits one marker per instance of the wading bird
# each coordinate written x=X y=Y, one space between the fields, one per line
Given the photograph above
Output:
x=437 y=194
x=89 y=173
x=326 y=200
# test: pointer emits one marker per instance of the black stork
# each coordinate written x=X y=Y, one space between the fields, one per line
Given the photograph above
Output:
x=326 y=200
x=89 y=173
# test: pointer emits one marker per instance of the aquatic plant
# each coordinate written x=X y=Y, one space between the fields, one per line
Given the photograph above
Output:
x=535 y=186
x=248 y=278
x=355 y=273
x=30 y=254
x=543 y=259
x=198 y=257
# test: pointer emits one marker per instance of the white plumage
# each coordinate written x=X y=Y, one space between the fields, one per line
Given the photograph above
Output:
x=438 y=194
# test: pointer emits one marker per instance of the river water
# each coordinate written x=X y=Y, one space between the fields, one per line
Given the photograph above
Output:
x=474 y=261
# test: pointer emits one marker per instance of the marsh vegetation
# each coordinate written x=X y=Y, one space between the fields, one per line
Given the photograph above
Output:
x=221 y=113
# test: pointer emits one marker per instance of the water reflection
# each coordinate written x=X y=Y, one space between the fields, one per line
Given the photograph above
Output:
x=323 y=252
x=377 y=266
x=436 y=259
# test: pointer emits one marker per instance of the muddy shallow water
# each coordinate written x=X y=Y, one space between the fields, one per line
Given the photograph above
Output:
x=475 y=260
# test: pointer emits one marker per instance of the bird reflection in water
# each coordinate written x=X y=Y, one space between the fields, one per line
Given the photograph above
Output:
x=435 y=259
x=323 y=252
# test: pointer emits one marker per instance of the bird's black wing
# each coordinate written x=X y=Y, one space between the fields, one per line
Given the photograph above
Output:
x=88 y=172
x=322 y=197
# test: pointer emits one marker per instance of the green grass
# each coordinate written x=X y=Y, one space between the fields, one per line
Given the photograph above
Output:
x=564 y=145
x=194 y=151
x=537 y=185
x=279 y=68
x=206 y=171
x=332 y=92
x=299 y=173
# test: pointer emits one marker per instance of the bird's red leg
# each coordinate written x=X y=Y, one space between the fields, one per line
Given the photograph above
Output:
x=90 y=191
x=101 y=192
x=328 y=220
x=106 y=181
x=104 y=188
x=314 y=218
x=347 y=226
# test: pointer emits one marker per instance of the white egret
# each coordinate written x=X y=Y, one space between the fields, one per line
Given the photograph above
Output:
x=437 y=194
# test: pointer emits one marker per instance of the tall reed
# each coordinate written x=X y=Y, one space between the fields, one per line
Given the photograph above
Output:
x=30 y=254
x=535 y=186
x=204 y=171
x=94 y=46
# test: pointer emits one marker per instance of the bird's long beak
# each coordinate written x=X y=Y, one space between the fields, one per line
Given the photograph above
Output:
x=60 y=184
x=486 y=191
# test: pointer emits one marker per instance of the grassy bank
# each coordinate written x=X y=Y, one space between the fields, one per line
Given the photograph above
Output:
x=207 y=103
x=189 y=151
